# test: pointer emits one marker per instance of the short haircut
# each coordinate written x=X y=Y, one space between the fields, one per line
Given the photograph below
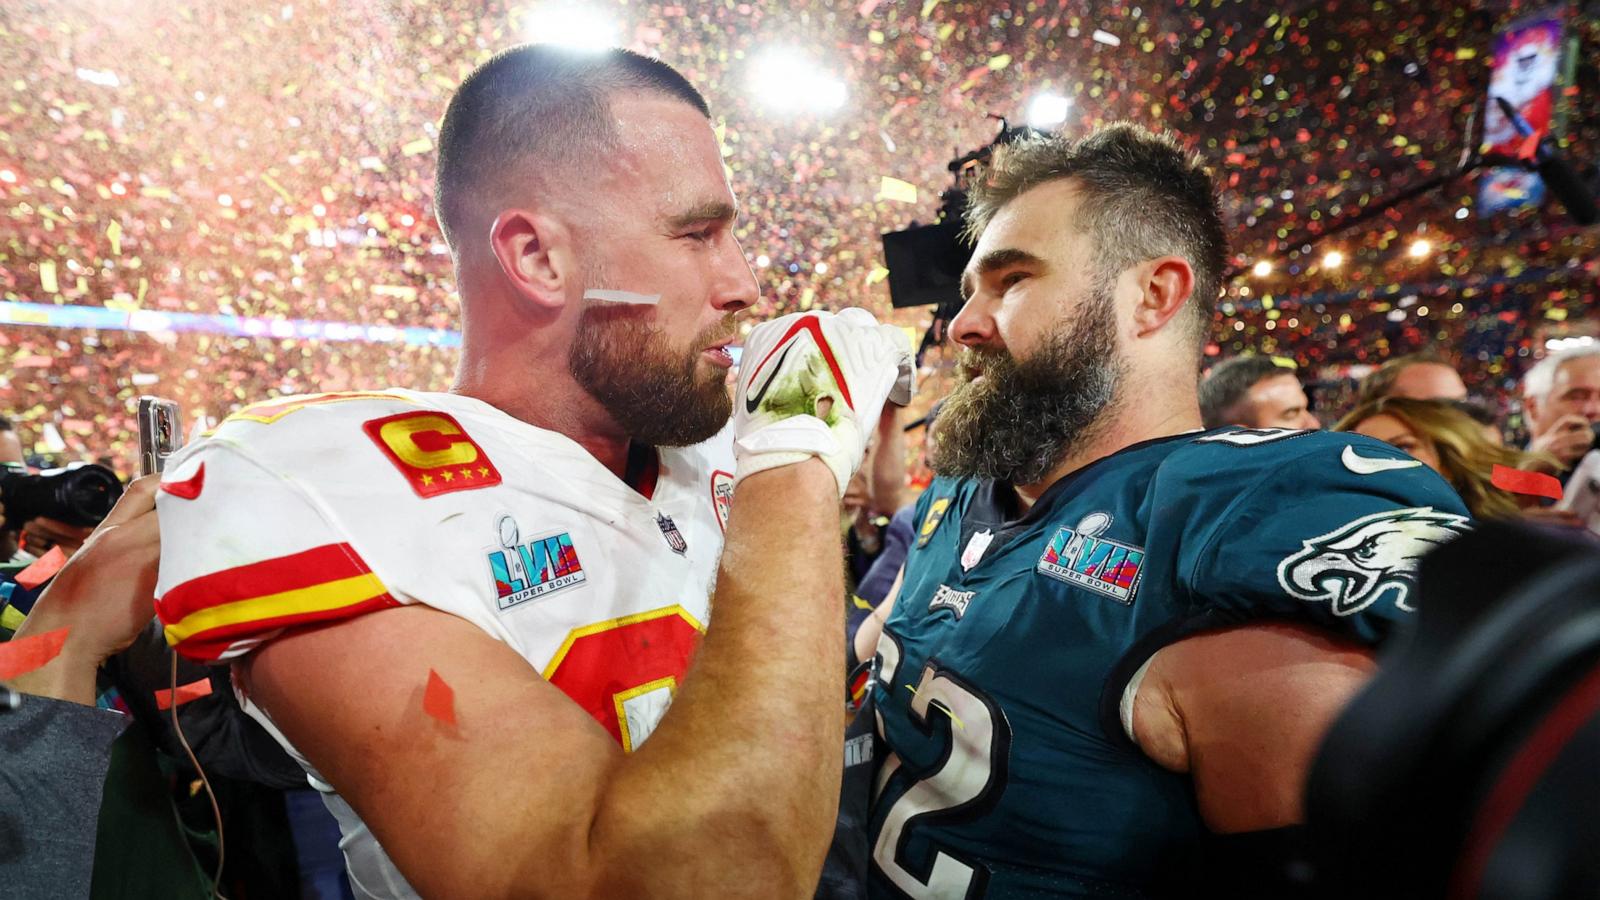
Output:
x=5 y=424
x=1144 y=197
x=1229 y=381
x=1380 y=382
x=1541 y=378
x=537 y=103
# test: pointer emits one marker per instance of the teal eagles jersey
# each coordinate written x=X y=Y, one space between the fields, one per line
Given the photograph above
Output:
x=1008 y=772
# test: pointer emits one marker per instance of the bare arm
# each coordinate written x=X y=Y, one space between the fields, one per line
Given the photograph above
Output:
x=1243 y=712
x=733 y=795
x=866 y=640
x=104 y=596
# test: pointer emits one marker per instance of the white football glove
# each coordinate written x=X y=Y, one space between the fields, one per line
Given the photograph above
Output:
x=791 y=363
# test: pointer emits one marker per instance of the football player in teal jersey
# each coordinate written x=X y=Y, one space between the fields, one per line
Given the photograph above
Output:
x=1118 y=638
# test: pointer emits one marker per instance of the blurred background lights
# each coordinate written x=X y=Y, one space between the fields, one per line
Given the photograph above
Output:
x=1048 y=110
x=576 y=27
x=785 y=80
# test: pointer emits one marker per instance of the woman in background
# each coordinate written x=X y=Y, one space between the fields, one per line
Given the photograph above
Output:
x=1449 y=441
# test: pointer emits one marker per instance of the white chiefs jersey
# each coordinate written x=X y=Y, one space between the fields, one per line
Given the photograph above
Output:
x=313 y=509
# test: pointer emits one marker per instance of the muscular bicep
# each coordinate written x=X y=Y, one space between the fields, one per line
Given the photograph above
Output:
x=1243 y=712
x=499 y=804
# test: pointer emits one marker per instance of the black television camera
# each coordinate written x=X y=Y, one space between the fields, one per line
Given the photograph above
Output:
x=81 y=495
x=925 y=261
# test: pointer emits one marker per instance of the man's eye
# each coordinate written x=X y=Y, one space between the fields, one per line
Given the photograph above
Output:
x=1012 y=278
x=702 y=235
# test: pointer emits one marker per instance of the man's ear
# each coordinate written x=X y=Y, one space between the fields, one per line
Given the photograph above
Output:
x=1530 y=405
x=534 y=254
x=1165 y=284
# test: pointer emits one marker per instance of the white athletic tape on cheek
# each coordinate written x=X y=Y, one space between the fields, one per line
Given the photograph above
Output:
x=621 y=297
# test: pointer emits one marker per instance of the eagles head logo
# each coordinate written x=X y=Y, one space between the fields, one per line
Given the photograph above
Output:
x=1375 y=556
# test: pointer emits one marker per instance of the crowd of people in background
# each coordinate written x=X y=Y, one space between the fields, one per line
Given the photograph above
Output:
x=1420 y=404
x=243 y=162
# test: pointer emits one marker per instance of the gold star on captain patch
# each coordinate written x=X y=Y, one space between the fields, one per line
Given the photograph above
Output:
x=448 y=475
x=484 y=472
x=466 y=473
x=427 y=480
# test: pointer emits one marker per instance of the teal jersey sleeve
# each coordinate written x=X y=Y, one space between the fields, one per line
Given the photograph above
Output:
x=1325 y=528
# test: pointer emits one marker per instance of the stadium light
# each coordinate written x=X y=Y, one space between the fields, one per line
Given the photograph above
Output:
x=1046 y=111
x=1332 y=260
x=571 y=26
x=1419 y=248
x=1262 y=268
x=785 y=80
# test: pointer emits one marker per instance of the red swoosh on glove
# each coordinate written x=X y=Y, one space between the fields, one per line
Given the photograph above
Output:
x=811 y=324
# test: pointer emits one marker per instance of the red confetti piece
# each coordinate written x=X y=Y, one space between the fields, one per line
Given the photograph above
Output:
x=439 y=699
x=42 y=569
x=1533 y=484
x=23 y=655
x=194 y=690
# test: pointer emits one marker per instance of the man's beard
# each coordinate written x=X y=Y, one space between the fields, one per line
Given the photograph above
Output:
x=1022 y=419
x=652 y=390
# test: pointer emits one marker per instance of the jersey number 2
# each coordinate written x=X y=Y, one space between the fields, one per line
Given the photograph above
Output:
x=963 y=784
x=624 y=671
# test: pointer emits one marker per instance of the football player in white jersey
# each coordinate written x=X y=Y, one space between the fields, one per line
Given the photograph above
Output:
x=465 y=612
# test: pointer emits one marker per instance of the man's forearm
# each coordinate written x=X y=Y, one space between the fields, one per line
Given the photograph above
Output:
x=734 y=794
x=70 y=676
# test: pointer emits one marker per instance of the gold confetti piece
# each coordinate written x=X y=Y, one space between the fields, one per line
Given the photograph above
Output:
x=276 y=187
x=114 y=235
x=942 y=708
x=47 y=276
x=419 y=146
x=996 y=63
x=890 y=188
x=877 y=274
x=401 y=291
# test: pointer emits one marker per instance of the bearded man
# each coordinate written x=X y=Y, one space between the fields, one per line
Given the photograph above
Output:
x=1119 y=638
x=464 y=613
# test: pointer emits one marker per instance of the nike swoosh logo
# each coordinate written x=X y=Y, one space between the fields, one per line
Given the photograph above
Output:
x=751 y=404
x=1362 y=465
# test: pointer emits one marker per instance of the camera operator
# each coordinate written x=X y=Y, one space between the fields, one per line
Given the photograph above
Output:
x=1562 y=396
x=57 y=746
x=33 y=535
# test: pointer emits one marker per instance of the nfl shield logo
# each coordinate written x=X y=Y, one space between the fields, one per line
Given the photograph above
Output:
x=671 y=533
x=722 y=496
x=977 y=545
